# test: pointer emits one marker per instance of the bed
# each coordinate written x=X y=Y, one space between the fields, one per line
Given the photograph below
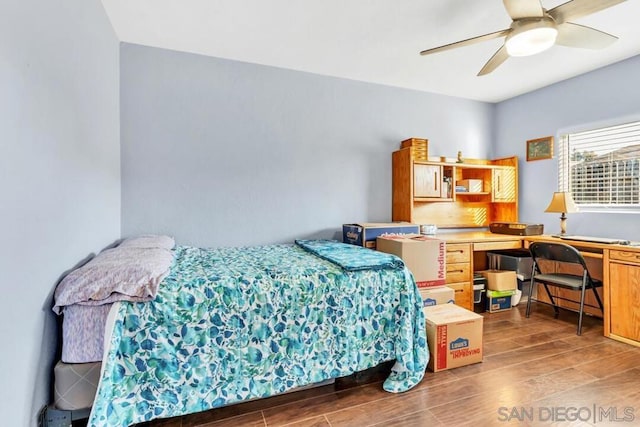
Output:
x=228 y=325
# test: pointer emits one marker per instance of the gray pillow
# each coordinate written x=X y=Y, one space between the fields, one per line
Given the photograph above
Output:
x=149 y=241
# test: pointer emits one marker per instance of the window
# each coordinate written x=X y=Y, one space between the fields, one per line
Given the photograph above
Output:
x=601 y=168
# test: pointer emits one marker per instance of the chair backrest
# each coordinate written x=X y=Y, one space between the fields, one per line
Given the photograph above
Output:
x=560 y=252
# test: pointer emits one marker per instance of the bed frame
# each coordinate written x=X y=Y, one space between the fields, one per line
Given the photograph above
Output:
x=52 y=417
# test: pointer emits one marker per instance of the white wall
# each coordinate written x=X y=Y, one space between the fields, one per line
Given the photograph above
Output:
x=59 y=176
x=220 y=153
x=605 y=96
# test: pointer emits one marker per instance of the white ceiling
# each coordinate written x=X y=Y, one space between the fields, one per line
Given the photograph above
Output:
x=374 y=41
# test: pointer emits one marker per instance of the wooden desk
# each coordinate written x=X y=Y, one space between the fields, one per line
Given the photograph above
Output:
x=620 y=275
x=618 y=266
x=483 y=240
x=466 y=253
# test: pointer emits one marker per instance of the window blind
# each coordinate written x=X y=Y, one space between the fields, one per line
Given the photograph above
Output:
x=601 y=167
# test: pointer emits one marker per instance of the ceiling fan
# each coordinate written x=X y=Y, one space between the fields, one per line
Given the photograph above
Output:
x=535 y=29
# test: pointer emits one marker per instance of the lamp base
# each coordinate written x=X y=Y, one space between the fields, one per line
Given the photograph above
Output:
x=563 y=224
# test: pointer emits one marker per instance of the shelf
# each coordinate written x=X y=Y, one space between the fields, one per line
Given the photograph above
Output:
x=433 y=199
x=418 y=186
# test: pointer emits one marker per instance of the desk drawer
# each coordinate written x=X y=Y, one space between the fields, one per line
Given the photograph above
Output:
x=624 y=256
x=458 y=252
x=492 y=246
x=458 y=272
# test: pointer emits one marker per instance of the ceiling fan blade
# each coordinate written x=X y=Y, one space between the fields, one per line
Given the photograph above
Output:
x=575 y=9
x=574 y=35
x=467 y=42
x=518 y=9
x=496 y=60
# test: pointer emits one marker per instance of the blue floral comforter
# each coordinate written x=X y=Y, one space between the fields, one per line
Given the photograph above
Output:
x=350 y=257
x=233 y=324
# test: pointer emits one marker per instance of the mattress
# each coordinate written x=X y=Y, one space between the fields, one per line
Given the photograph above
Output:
x=75 y=385
x=83 y=329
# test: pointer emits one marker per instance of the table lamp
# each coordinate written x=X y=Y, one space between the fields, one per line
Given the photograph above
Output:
x=562 y=202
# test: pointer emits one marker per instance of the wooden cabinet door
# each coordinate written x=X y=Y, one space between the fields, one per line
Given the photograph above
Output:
x=504 y=184
x=624 y=300
x=427 y=180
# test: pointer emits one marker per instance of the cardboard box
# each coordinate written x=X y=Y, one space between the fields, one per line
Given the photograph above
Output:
x=437 y=295
x=365 y=233
x=500 y=280
x=454 y=335
x=424 y=256
x=472 y=185
x=499 y=300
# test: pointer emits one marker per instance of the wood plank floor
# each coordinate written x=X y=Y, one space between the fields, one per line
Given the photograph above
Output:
x=534 y=371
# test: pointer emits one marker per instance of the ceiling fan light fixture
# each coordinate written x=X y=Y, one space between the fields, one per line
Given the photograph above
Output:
x=531 y=37
x=534 y=29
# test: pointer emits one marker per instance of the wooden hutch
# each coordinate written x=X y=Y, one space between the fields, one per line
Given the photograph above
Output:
x=424 y=192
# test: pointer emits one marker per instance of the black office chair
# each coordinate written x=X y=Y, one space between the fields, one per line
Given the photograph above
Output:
x=561 y=252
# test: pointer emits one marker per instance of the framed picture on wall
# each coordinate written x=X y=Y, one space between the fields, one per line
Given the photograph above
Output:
x=540 y=149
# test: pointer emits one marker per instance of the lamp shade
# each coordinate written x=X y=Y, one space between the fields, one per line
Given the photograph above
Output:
x=562 y=202
x=531 y=36
x=531 y=42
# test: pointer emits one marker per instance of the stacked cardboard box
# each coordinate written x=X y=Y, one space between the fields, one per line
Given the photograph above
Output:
x=499 y=300
x=437 y=295
x=365 y=233
x=501 y=285
x=424 y=256
x=500 y=280
x=454 y=336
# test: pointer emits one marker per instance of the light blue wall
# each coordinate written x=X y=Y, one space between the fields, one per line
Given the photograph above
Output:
x=219 y=153
x=59 y=176
x=606 y=96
